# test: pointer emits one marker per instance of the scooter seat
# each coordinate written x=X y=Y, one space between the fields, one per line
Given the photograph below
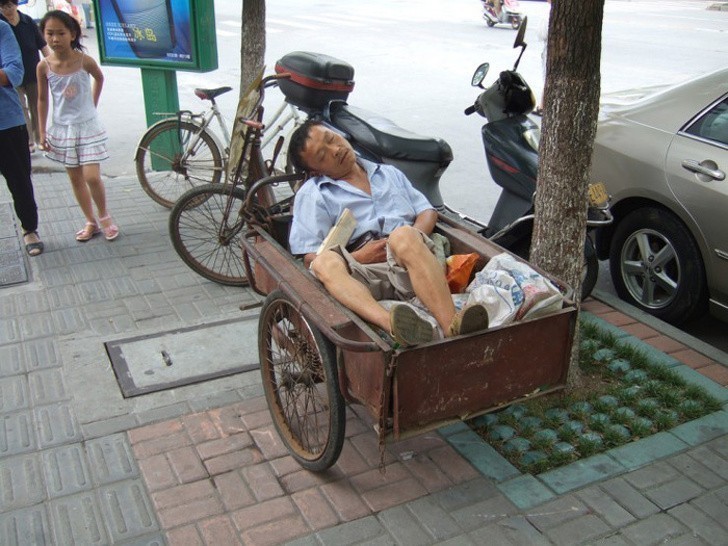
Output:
x=383 y=138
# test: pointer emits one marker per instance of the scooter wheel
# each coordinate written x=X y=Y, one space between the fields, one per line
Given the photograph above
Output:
x=490 y=23
x=515 y=23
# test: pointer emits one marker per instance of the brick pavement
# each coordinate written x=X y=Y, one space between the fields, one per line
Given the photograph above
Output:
x=79 y=464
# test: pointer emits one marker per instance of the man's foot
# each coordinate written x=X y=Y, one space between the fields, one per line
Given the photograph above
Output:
x=472 y=318
x=407 y=327
x=33 y=244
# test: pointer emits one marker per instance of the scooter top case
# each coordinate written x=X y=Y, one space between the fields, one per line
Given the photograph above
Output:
x=316 y=79
x=422 y=159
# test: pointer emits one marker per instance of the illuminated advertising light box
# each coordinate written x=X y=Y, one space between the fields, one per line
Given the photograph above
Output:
x=166 y=34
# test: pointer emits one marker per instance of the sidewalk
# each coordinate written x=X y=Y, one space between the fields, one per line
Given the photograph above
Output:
x=202 y=464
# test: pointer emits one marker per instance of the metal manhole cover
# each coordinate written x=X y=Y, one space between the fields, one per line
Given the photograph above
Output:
x=172 y=359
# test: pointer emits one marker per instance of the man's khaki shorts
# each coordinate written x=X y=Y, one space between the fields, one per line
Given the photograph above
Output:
x=385 y=280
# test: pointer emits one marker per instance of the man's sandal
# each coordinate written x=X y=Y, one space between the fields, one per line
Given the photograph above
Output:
x=35 y=247
x=472 y=318
x=87 y=232
x=110 y=229
x=407 y=327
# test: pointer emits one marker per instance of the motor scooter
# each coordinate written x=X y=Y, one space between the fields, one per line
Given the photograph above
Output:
x=320 y=85
x=509 y=13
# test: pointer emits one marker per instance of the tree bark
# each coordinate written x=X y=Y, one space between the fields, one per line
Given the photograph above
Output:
x=252 y=43
x=571 y=107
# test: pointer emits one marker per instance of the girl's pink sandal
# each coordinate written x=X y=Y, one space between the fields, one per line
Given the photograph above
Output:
x=87 y=232
x=110 y=229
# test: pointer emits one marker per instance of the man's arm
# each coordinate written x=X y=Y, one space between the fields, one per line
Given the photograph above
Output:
x=426 y=221
x=11 y=71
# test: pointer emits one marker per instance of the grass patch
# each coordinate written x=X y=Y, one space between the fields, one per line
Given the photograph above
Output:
x=628 y=397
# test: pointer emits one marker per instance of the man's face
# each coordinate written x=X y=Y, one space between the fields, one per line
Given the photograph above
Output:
x=8 y=9
x=327 y=152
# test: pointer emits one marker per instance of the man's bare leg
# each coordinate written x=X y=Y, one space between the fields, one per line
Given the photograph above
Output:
x=330 y=268
x=425 y=272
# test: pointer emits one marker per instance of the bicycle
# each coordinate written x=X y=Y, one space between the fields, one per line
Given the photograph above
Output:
x=181 y=152
x=206 y=223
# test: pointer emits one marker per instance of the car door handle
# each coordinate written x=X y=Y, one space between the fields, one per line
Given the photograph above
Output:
x=694 y=166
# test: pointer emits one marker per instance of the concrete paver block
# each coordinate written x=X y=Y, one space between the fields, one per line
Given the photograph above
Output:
x=21 y=481
x=703 y=429
x=482 y=456
x=16 y=433
x=674 y=492
x=127 y=510
x=66 y=470
x=656 y=529
x=28 y=525
x=526 y=491
x=641 y=452
x=77 y=519
x=581 y=473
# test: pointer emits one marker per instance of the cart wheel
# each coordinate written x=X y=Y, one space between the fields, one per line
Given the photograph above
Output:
x=300 y=380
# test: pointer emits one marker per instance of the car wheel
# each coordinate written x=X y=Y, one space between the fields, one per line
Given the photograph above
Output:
x=656 y=265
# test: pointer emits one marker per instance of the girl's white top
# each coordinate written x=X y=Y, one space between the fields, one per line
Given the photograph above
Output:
x=72 y=97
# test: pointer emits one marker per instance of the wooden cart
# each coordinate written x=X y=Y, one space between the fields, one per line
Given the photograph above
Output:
x=316 y=355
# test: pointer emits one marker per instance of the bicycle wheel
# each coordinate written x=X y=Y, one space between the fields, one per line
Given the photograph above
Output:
x=171 y=159
x=300 y=380
x=206 y=228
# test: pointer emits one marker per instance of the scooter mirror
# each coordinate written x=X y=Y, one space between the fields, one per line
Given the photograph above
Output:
x=521 y=33
x=479 y=74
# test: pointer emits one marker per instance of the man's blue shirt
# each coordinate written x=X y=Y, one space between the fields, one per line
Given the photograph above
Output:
x=11 y=113
x=321 y=200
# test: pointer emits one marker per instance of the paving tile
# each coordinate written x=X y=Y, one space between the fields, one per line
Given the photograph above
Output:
x=346 y=500
x=693 y=358
x=556 y=512
x=438 y=523
x=617 y=318
x=403 y=526
x=157 y=473
x=635 y=502
x=47 y=386
x=127 y=510
x=262 y=481
x=482 y=456
x=16 y=433
x=355 y=532
x=701 y=430
x=315 y=508
x=219 y=530
x=696 y=471
x=513 y=530
x=21 y=481
x=77 y=519
x=14 y=393
x=187 y=535
x=640 y=331
x=641 y=452
x=666 y=344
x=605 y=507
x=581 y=473
x=393 y=494
x=12 y=360
x=186 y=464
x=656 y=529
x=56 y=424
x=484 y=512
x=700 y=524
x=716 y=372
x=25 y=526
x=715 y=461
x=233 y=491
x=66 y=470
x=526 y=491
x=578 y=531
x=603 y=325
x=674 y=492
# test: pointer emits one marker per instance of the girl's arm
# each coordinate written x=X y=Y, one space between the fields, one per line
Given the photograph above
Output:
x=41 y=72
x=90 y=66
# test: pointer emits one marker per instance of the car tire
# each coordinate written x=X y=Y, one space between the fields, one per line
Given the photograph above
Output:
x=657 y=267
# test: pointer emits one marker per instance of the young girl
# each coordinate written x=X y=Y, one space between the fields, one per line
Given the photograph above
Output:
x=76 y=137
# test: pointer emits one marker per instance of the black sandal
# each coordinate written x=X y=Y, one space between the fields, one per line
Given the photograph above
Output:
x=33 y=249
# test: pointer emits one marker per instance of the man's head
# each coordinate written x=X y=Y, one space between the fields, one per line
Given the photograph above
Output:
x=8 y=7
x=318 y=150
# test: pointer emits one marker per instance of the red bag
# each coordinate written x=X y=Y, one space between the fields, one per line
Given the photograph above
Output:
x=459 y=270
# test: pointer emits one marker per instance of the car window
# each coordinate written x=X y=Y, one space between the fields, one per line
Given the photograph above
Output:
x=713 y=124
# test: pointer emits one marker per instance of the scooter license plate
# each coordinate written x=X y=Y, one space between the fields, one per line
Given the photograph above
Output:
x=597 y=194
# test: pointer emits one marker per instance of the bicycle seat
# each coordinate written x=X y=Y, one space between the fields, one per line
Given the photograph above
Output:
x=384 y=138
x=209 y=94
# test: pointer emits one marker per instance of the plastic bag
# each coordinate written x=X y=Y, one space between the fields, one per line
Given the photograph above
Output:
x=459 y=270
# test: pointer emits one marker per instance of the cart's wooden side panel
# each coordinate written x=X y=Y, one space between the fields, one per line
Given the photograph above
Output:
x=453 y=379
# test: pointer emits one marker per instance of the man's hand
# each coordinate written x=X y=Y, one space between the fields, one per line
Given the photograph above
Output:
x=371 y=253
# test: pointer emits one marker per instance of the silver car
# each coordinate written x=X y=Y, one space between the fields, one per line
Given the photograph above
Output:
x=663 y=155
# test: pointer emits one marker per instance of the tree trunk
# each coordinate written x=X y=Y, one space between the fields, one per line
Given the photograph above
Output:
x=571 y=101
x=252 y=43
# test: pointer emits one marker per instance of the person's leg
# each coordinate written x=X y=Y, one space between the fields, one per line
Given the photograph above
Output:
x=330 y=268
x=24 y=102
x=31 y=92
x=15 y=167
x=425 y=272
x=82 y=193
x=92 y=179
